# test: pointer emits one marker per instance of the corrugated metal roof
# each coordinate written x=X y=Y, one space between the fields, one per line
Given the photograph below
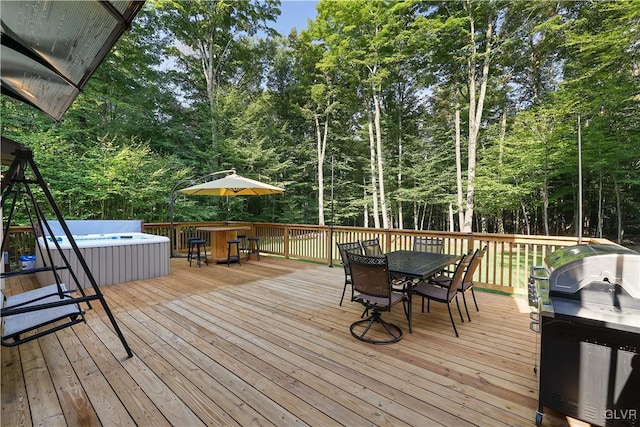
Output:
x=51 y=48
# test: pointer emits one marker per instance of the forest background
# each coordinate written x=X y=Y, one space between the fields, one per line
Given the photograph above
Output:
x=443 y=115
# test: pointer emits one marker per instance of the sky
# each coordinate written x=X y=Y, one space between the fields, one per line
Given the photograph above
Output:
x=294 y=13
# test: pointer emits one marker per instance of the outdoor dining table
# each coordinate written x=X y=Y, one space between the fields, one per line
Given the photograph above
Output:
x=417 y=265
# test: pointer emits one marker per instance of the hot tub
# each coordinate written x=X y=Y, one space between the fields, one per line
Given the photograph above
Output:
x=111 y=257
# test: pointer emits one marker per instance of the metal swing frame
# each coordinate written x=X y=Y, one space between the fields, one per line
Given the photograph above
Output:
x=50 y=305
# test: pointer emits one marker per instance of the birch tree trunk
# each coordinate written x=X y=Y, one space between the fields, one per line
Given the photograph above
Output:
x=503 y=132
x=451 y=226
x=366 y=206
x=210 y=69
x=526 y=218
x=321 y=147
x=476 y=104
x=545 y=205
x=616 y=189
x=378 y=133
x=372 y=166
x=458 y=171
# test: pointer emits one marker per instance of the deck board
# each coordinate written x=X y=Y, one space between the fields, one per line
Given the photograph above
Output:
x=267 y=344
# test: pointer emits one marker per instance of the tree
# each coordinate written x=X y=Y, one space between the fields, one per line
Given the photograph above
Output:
x=472 y=35
x=211 y=41
x=601 y=77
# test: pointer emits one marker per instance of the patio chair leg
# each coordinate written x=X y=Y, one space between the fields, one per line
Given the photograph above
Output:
x=459 y=312
x=452 y=322
x=464 y=299
x=343 y=291
x=474 y=299
x=395 y=333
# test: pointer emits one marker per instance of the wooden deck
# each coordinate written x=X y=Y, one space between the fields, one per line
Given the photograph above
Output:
x=266 y=343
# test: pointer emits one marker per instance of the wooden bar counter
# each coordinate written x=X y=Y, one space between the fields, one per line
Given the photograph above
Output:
x=218 y=237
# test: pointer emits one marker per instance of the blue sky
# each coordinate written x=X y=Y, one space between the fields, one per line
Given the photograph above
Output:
x=294 y=13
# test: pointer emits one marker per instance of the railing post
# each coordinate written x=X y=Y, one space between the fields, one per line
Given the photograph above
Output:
x=286 y=242
x=329 y=238
x=387 y=240
x=470 y=241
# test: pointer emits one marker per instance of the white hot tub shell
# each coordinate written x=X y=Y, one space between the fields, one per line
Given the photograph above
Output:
x=112 y=258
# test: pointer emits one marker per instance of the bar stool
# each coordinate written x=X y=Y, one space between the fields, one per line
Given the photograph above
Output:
x=236 y=257
x=194 y=245
x=189 y=247
x=253 y=247
x=243 y=243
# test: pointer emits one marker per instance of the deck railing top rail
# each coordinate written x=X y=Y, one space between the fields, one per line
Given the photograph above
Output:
x=505 y=267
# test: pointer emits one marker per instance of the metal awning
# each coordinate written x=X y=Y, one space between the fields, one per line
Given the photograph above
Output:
x=50 y=48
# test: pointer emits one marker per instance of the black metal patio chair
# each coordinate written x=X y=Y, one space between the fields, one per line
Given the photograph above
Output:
x=371 y=247
x=344 y=248
x=428 y=244
x=372 y=287
x=467 y=281
x=433 y=291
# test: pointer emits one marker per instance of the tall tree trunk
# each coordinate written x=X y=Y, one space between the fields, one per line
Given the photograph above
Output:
x=211 y=68
x=458 y=171
x=372 y=166
x=526 y=219
x=378 y=133
x=321 y=147
x=545 y=205
x=599 y=233
x=451 y=226
x=503 y=132
x=476 y=105
x=365 y=212
x=616 y=189
x=212 y=109
x=423 y=218
x=400 y=211
x=500 y=221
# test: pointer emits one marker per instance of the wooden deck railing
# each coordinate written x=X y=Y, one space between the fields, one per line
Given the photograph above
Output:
x=505 y=267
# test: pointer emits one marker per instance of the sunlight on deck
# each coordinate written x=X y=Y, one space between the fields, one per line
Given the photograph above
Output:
x=266 y=343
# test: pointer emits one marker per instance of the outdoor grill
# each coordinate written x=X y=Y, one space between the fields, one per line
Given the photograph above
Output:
x=587 y=302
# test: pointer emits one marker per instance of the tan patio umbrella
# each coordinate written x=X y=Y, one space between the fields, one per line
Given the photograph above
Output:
x=232 y=185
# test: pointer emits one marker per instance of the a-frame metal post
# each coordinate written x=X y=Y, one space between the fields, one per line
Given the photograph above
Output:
x=24 y=158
